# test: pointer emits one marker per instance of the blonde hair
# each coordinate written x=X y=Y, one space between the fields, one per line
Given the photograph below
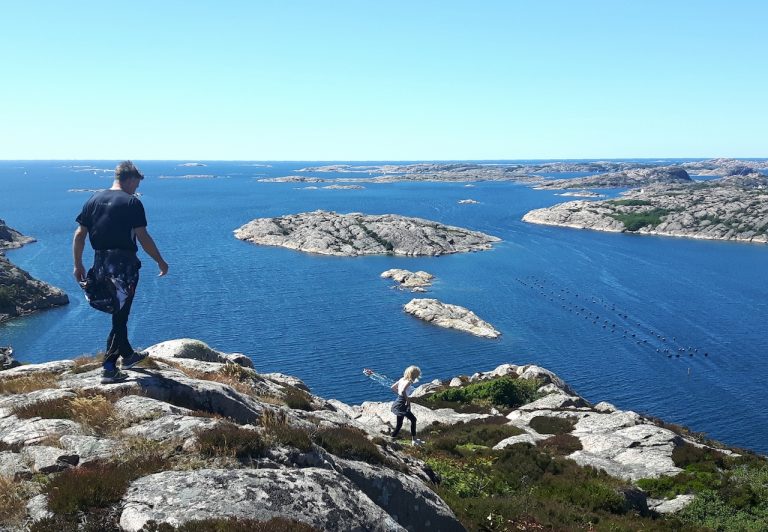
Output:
x=412 y=373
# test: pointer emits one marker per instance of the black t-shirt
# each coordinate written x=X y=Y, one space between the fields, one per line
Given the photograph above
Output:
x=111 y=216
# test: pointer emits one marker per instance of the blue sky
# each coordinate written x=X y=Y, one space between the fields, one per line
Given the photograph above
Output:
x=387 y=80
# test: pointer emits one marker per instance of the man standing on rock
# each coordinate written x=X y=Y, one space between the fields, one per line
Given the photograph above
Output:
x=113 y=219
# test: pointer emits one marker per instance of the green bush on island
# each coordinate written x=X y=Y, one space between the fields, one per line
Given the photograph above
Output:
x=507 y=392
x=637 y=220
x=8 y=296
x=629 y=202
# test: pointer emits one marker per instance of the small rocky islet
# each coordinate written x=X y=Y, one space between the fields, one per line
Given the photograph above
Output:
x=199 y=436
x=356 y=234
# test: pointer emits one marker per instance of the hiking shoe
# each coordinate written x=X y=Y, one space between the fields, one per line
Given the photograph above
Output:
x=133 y=359
x=111 y=376
x=417 y=442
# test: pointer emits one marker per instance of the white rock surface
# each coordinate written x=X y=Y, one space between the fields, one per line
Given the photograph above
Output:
x=324 y=499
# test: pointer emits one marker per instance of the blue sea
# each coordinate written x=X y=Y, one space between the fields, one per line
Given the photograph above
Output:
x=599 y=309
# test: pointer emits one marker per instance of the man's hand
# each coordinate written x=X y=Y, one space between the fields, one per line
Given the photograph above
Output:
x=79 y=273
x=163 y=267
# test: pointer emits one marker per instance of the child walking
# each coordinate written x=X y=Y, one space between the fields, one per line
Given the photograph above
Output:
x=402 y=405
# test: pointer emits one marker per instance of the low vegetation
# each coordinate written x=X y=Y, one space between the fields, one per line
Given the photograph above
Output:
x=506 y=392
x=634 y=221
x=230 y=440
x=94 y=411
x=86 y=363
x=485 y=432
x=12 y=502
x=731 y=492
x=629 y=202
x=27 y=383
x=350 y=443
x=96 y=485
x=552 y=425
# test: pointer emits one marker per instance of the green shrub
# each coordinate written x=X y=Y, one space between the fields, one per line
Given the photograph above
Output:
x=486 y=432
x=709 y=510
x=505 y=391
x=96 y=485
x=228 y=439
x=349 y=442
x=561 y=444
x=462 y=478
x=552 y=425
x=233 y=524
x=637 y=220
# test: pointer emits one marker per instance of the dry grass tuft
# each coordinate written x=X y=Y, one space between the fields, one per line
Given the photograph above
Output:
x=225 y=375
x=27 y=383
x=12 y=503
x=87 y=363
x=94 y=411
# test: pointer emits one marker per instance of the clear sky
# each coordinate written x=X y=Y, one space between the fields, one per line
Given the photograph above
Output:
x=383 y=80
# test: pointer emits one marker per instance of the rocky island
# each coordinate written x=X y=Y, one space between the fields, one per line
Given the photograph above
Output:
x=732 y=208
x=20 y=293
x=414 y=281
x=627 y=178
x=197 y=439
x=354 y=234
x=450 y=317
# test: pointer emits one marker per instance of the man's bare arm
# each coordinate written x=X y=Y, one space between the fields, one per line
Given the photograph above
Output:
x=149 y=246
x=78 y=244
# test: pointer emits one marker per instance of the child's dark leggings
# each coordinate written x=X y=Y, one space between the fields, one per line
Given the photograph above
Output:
x=399 y=425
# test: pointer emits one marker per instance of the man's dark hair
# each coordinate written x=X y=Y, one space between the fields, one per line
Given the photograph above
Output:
x=127 y=170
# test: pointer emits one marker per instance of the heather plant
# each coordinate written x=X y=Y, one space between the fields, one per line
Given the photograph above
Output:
x=561 y=444
x=297 y=399
x=97 y=485
x=228 y=439
x=285 y=434
x=485 y=432
x=349 y=442
x=552 y=425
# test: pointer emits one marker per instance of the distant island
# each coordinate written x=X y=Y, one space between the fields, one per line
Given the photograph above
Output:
x=730 y=208
x=329 y=233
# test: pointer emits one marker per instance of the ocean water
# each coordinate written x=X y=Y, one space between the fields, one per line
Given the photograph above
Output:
x=325 y=318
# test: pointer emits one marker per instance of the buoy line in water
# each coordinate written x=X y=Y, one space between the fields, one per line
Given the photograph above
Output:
x=615 y=320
